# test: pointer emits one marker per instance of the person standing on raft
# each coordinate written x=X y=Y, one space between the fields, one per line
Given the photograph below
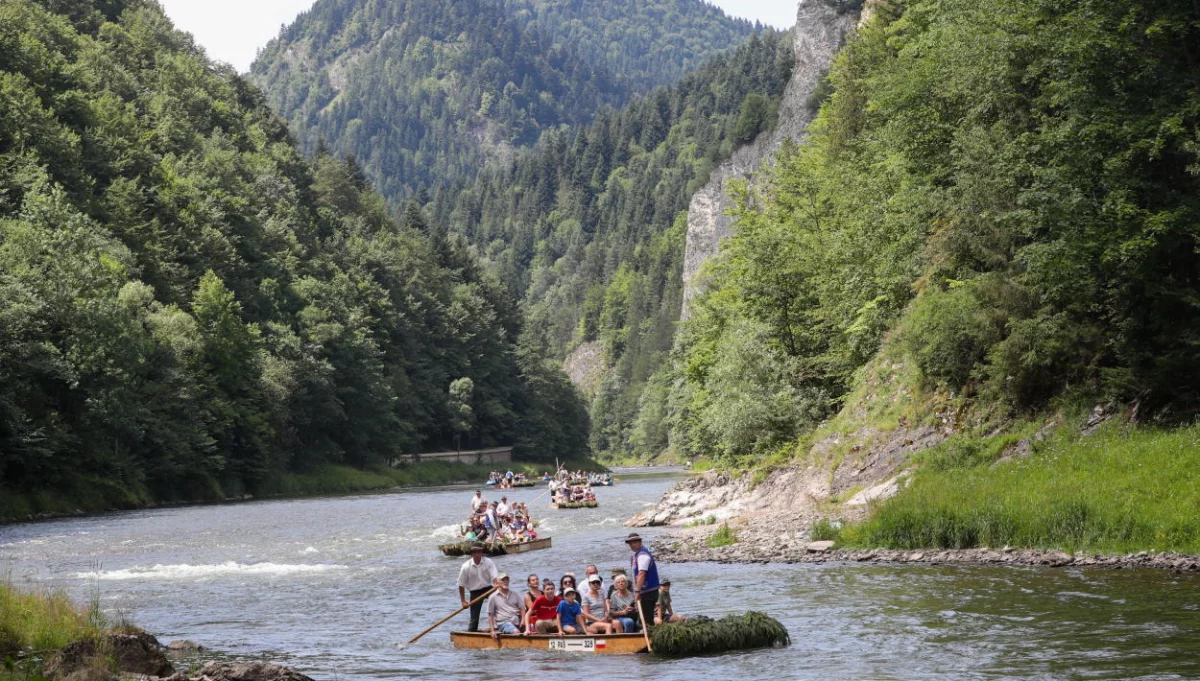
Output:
x=478 y=575
x=645 y=576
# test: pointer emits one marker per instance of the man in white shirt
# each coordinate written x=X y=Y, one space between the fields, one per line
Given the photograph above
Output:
x=476 y=501
x=506 y=609
x=476 y=576
x=502 y=507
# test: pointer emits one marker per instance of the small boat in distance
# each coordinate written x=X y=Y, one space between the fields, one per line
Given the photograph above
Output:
x=611 y=644
x=463 y=548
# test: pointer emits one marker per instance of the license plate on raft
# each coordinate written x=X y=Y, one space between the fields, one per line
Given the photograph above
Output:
x=576 y=645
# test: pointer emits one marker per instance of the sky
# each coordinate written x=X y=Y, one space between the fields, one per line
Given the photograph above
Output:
x=232 y=31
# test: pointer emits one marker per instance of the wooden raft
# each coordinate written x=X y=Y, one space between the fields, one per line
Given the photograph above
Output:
x=612 y=644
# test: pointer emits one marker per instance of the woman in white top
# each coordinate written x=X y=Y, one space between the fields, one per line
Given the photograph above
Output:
x=595 y=608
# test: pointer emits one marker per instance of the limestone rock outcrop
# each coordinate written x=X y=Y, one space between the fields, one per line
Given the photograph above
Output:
x=819 y=33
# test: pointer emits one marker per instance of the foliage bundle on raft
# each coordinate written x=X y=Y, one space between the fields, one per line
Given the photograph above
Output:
x=463 y=548
x=577 y=504
x=732 y=632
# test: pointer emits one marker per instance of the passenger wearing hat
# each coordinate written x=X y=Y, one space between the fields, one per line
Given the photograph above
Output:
x=645 y=575
x=477 y=576
x=506 y=609
x=476 y=501
x=570 y=614
x=595 y=606
x=502 y=507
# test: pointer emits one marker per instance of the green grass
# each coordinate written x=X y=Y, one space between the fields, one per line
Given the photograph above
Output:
x=1119 y=490
x=722 y=537
x=704 y=520
x=825 y=530
x=42 y=620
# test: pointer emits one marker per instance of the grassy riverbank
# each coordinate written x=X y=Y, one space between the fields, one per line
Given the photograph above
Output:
x=41 y=620
x=1122 y=489
x=83 y=495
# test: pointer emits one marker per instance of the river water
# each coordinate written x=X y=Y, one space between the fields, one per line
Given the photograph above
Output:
x=332 y=585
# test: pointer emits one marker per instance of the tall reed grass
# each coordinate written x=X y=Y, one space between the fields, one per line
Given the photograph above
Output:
x=42 y=619
x=1122 y=489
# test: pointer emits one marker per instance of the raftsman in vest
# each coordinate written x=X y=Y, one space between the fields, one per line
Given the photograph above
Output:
x=651 y=574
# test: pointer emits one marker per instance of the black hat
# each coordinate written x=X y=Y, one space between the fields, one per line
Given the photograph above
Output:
x=633 y=536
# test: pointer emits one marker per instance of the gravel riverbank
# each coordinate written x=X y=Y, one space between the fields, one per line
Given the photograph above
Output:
x=753 y=547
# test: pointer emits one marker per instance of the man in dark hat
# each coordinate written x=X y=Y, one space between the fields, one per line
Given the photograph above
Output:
x=477 y=576
x=645 y=576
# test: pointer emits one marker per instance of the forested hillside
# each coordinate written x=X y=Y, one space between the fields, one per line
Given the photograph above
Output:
x=588 y=226
x=422 y=92
x=1003 y=194
x=189 y=307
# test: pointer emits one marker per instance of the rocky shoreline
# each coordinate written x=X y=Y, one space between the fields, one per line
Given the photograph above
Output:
x=138 y=656
x=772 y=522
x=692 y=548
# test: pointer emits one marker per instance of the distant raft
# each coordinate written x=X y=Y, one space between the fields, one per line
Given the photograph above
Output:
x=567 y=505
x=463 y=548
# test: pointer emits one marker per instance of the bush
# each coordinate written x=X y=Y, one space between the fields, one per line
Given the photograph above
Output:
x=722 y=537
x=947 y=333
x=825 y=530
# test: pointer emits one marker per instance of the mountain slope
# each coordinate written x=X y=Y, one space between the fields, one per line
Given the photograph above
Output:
x=422 y=91
x=189 y=308
x=588 y=226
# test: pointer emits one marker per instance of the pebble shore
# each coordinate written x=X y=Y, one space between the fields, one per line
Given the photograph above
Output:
x=692 y=548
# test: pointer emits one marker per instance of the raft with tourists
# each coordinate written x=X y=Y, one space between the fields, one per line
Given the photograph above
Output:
x=697 y=635
x=568 y=505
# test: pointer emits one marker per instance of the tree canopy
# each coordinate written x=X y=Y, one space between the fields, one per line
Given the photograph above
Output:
x=188 y=305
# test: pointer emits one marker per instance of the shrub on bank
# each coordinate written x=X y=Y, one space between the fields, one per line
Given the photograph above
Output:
x=1122 y=489
x=722 y=537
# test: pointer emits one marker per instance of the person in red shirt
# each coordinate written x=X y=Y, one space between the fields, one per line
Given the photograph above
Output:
x=541 y=618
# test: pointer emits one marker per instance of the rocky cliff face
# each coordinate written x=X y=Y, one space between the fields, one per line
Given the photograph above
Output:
x=819 y=33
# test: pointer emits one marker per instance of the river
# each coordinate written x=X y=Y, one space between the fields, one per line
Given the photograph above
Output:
x=332 y=585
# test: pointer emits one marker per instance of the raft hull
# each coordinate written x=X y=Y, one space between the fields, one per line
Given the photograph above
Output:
x=612 y=644
x=464 y=548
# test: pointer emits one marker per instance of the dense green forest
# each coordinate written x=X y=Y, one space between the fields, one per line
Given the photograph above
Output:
x=1004 y=192
x=588 y=226
x=190 y=308
x=422 y=92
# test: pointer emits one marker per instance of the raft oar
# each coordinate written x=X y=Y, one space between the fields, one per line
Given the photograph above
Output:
x=645 y=625
x=447 y=617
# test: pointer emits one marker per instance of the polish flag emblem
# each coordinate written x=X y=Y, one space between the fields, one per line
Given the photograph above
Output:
x=601 y=644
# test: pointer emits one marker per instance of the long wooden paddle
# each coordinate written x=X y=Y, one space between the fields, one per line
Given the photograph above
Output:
x=645 y=625
x=447 y=617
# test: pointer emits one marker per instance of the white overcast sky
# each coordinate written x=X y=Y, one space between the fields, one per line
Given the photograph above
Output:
x=233 y=30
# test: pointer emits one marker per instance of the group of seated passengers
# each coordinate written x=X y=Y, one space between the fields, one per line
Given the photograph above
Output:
x=506 y=480
x=499 y=522
x=562 y=493
x=545 y=608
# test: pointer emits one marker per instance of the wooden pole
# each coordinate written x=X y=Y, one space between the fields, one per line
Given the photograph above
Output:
x=645 y=624
x=447 y=617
